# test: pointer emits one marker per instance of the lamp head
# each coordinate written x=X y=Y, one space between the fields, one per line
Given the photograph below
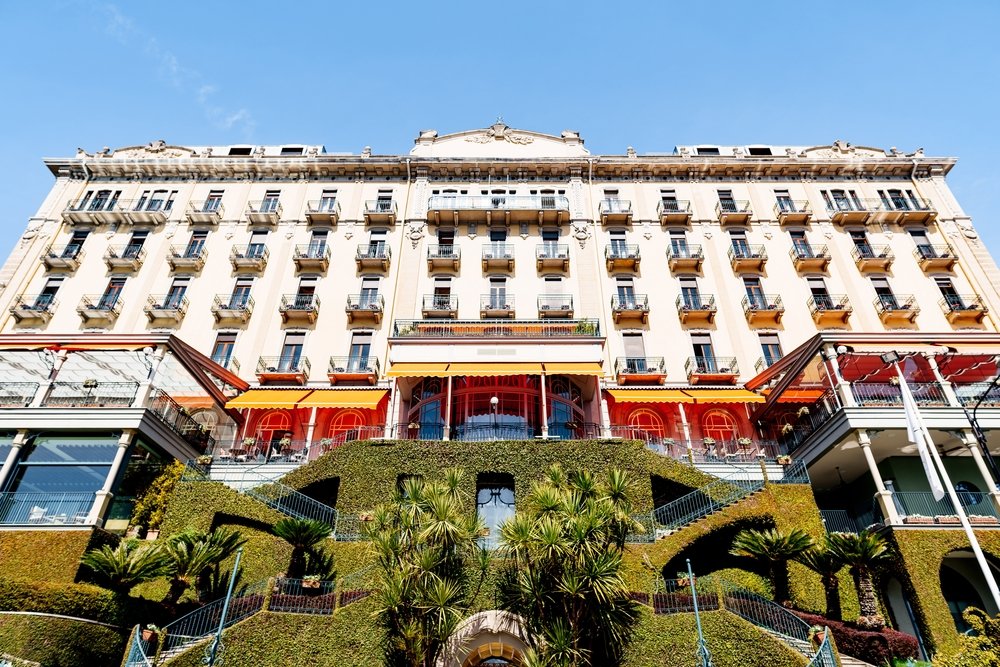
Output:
x=891 y=357
x=494 y=402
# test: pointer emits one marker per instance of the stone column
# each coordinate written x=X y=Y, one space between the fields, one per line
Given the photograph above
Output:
x=46 y=385
x=946 y=387
x=686 y=430
x=12 y=456
x=146 y=387
x=882 y=494
x=446 y=435
x=843 y=387
x=102 y=499
x=605 y=413
x=393 y=412
x=545 y=407
x=977 y=456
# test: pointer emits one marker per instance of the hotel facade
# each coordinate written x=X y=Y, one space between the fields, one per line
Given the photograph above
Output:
x=728 y=305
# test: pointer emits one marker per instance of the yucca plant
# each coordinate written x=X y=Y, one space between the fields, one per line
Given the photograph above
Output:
x=823 y=561
x=123 y=567
x=305 y=536
x=774 y=549
x=864 y=553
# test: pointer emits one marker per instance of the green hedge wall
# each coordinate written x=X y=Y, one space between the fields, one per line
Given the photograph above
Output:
x=80 y=600
x=56 y=642
x=919 y=554
x=368 y=470
x=671 y=641
x=47 y=555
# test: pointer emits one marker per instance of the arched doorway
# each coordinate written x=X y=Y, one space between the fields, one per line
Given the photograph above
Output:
x=648 y=424
x=719 y=425
x=346 y=425
x=963 y=585
x=272 y=428
x=487 y=638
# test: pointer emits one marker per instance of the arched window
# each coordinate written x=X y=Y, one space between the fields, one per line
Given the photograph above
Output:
x=719 y=425
x=273 y=426
x=647 y=421
x=346 y=425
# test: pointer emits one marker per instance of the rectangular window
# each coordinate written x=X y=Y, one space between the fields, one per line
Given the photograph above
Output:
x=222 y=351
x=784 y=200
x=328 y=200
x=270 y=202
x=860 y=239
x=213 y=201
x=771 y=347
x=241 y=293
x=950 y=294
x=175 y=296
x=291 y=150
x=678 y=243
x=361 y=344
x=498 y=234
x=635 y=352
x=291 y=351
x=704 y=353
x=884 y=293
x=726 y=201
x=707 y=150
x=317 y=243
x=47 y=296
x=369 y=291
x=446 y=238
x=758 y=150
x=820 y=295
x=668 y=201
x=738 y=239
x=801 y=243
x=243 y=150
x=498 y=292
x=196 y=244
x=755 y=292
x=626 y=291
x=258 y=239
x=689 y=292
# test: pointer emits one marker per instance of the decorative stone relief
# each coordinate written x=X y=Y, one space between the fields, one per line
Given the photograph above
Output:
x=966 y=228
x=289 y=234
x=580 y=231
x=420 y=198
x=576 y=198
x=415 y=231
x=499 y=132
x=349 y=230
x=158 y=148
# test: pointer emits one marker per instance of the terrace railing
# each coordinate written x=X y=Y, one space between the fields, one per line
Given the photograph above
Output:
x=17 y=394
x=91 y=394
x=873 y=394
x=203 y=622
x=40 y=509
x=298 y=596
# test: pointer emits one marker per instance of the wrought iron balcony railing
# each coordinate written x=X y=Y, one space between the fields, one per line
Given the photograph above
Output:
x=91 y=393
x=299 y=302
x=357 y=365
x=711 y=366
x=373 y=302
x=640 y=366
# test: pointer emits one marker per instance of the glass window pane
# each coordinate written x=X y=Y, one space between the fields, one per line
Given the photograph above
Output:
x=80 y=449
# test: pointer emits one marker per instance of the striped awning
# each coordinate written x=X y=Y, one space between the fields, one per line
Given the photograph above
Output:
x=650 y=396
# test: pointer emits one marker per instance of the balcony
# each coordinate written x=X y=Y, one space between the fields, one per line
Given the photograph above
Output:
x=496 y=329
x=935 y=257
x=732 y=212
x=887 y=394
x=380 y=211
x=919 y=508
x=98 y=211
x=555 y=306
x=789 y=212
x=696 y=309
x=745 y=258
x=283 y=370
x=232 y=307
x=619 y=256
x=897 y=309
x=186 y=258
x=45 y=509
x=685 y=258
x=873 y=258
x=830 y=309
x=364 y=308
x=207 y=212
x=323 y=211
x=674 y=212
x=91 y=394
x=124 y=259
x=373 y=256
x=640 y=370
x=552 y=256
x=499 y=208
x=615 y=210
x=353 y=369
x=312 y=257
x=99 y=309
x=496 y=305
x=249 y=258
x=445 y=257
x=498 y=257
x=33 y=308
x=299 y=308
x=763 y=309
x=629 y=308
x=905 y=210
x=264 y=212
x=17 y=394
x=149 y=212
x=984 y=393
x=808 y=259
x=850 y=211
x=712 y=370
x=65 y=258
x=440 y=305
x=964 y=309
x=166 y=307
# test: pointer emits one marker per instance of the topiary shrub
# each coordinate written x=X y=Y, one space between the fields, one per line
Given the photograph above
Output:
x=58 y=642
x=877 y=648
x=151 y=506
x=76 y=600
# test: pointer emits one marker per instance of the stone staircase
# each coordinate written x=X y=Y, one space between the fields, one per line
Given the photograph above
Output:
x=241 y=476
x=751 y=470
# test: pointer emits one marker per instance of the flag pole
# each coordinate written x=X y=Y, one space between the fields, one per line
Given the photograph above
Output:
x=991 y=581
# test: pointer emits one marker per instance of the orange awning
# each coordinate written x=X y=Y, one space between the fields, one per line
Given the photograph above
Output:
x=491 y=370
x=367 y=399
x=22 y=346
x=800 y=396
x=409 y=369
x=650 y=396
x=573 y=368
x=193 y=401
x=724 y=396
x=269 y=398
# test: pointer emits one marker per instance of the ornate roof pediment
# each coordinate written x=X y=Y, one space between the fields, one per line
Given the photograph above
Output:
x=498 y=141
x=154 y=149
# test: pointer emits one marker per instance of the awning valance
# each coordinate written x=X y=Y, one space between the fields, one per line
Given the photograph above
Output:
x=366 y=399
x=573 y=368
x=409 y=369
x=650 y=396
x=494 y=370
x=268 y=398
x=724 y=396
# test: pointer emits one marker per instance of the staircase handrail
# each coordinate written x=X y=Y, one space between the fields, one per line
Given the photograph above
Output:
x=204 y=621
x=289 y=501
x=706 y=499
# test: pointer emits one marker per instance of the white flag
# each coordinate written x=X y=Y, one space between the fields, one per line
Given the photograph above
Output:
x=915 y=433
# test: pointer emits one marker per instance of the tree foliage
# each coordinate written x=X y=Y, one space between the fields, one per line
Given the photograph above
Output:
x=864 y=553
x=564 y=568
x=426 y=547
x=194 y=555
x=306 y=537
x=151 y=506
x=774 y=548
x=981 y=648
x=822 y=560
x=121 y=568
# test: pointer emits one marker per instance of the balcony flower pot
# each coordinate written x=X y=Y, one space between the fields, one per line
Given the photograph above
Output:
x=803 y=411
x=981 y=520
x=90 y=383
x=204 y=460
x=249 y=442
x=150 y=633
x=708 y=442
x=784 y=460
x=918 y=519
x=152 y=534
x=786 y=429
x=311 y=582
x=572 y=425
x=948 y=520
x=744 y=442
x=413 y=425
x=817 y=635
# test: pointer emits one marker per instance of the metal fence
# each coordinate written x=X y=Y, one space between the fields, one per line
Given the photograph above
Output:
x=176 y=418
x=287 y=500
x=202 y=622
x=913 y=504
x=91 y=394
x=40 y=509
x=869 y=394
x=705 y=500
x=137 y=651
x=300 y=596
x=17 y=394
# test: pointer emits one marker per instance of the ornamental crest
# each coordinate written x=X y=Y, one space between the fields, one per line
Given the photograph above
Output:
x=158 y=148
x=500 y=132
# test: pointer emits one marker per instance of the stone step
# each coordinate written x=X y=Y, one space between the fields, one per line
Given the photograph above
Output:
x=241 y=476
x=751 y=470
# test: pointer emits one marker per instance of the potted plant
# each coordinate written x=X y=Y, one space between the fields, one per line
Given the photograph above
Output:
x=708 y=442
x=683 y=579
x=365 y=517
x=948 y=519
x=413 y=425
x=249 y=442
x=90 y=383
x=311 y=581
x=784 y=460
x=983 y=519
x=325 y=442
x=817 y=634
x=150 y=633
x=786 y=429
x=803 y=411
x=918 y=519
x=285 y=442
x=572 y=425
x=204 y=460
x=744 y=442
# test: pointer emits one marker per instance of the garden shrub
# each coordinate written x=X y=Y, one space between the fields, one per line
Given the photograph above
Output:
x=57 y=642
x=77 y=600
x=47 y=555
x=876 y=648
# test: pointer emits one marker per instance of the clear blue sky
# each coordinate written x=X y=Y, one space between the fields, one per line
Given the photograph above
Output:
x=888 y=73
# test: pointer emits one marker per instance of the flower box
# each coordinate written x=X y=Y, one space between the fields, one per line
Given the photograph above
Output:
x=981 y=520
x=950 y=519
x=918 y=519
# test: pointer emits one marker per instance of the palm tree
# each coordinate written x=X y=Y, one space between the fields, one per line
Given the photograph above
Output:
x=774 y=548
x=305 y=536
x=824 y=562
x=193 y=555
x=863 y=552
x=224 y=542
x=123 y=567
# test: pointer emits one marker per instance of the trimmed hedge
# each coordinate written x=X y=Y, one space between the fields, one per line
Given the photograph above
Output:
x=671 y=641
x=919 y=555
x=47 y=555
x=877 y=648
x=56 y=642
x=80 y=600
x=368 y=470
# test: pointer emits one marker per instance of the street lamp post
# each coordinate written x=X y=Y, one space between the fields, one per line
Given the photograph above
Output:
x=494 y=402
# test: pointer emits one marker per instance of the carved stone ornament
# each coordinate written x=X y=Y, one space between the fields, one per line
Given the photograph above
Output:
x=499 y=132
x=349 y=231
x=153 y=149
x=289 y=234
x=966 y=228
x=415 y=232
x=581 y=232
